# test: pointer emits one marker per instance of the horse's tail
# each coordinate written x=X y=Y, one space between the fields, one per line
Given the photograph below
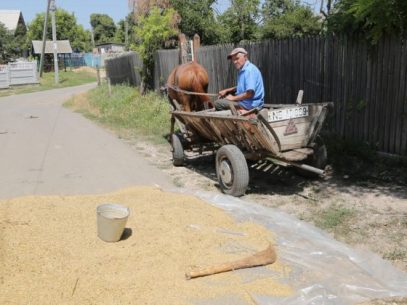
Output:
x=201 y=86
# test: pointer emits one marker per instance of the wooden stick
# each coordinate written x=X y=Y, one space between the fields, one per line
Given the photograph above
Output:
x=262 y=258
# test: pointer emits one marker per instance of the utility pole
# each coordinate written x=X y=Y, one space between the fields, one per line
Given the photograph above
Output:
x=44 y=38
x=54 y=41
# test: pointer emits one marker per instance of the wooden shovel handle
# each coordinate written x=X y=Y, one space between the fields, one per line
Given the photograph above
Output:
x=262 y=258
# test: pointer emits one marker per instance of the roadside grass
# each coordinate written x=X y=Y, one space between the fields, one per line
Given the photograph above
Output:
x=396 y=254
x=126 y=111
x=335 y=218
x=66 y=79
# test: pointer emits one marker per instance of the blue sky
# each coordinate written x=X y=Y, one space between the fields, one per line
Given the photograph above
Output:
x=117 y=9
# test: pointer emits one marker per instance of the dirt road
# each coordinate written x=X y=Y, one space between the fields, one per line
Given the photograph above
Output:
x=46 y=149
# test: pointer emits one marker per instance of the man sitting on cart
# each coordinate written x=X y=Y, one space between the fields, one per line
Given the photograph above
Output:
x=249 y=92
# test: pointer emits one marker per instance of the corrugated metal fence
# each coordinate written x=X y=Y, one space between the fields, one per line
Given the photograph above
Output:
x=18 y=73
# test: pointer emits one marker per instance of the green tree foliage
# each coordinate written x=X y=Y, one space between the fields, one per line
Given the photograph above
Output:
x=288 y=18
x=67 y=29
x=12 y=44
x=239 y=21
x=120 y=35
x=375 y=18
x=104 y=28
x=151 y=32
x=6 y=39
x=198 y=17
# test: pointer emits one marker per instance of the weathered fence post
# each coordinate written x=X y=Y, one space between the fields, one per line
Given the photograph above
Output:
x=109 y=86
x=98 y=74
x=195 y=46
x=183 y=48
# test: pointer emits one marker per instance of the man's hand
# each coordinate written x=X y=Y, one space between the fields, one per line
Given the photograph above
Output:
x=222 y=93
x=225 y=92
x=245 y=95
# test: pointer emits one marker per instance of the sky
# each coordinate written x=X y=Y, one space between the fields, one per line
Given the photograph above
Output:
x=117 y=9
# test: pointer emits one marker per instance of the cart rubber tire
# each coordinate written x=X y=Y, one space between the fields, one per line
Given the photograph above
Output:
x=232 y=170
x=177 y=151
x=318 y=159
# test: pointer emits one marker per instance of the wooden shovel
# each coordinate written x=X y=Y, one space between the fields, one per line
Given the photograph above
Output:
x=262 y=258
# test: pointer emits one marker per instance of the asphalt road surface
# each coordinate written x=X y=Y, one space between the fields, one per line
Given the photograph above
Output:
x=45 y=149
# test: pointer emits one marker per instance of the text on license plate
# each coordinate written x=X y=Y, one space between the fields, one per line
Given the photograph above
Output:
x=287 y=113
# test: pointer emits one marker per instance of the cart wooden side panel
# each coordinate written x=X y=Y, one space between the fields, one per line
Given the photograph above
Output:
x=285 y=138
x=300 y=132
x=247 y=133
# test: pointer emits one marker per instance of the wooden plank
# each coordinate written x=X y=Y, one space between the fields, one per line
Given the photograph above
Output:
x=347 y=88
x=396 y=119
x=391 y=96
x=375 y=94
x=383 y=121
x=385 y=103
x=400 y=97
x=301 y=58
x=354 y=128
x=403 y=146
x=362 y=84
x=340 y=98
x=368 y=93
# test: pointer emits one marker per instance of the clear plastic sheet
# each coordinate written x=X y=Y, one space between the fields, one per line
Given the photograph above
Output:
x=324 y=271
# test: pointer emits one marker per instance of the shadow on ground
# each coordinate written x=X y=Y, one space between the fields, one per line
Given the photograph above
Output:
x=385 y=176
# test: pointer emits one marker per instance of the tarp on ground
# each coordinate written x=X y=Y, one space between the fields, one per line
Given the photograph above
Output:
x=324 y=271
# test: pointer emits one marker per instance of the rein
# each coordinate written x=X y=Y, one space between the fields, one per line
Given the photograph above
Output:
x=177 y=89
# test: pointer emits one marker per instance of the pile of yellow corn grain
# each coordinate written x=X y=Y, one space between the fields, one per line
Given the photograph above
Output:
x=50 y=252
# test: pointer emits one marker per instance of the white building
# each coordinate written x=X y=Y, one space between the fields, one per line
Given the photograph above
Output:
x=12 y=19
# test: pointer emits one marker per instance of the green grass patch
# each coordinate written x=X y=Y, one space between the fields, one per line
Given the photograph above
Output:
x=334 y=217
x=127 y=111
x=396 y=254
x=47 y=82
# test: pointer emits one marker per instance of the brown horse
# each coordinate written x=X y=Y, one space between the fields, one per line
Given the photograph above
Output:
x=190 y=77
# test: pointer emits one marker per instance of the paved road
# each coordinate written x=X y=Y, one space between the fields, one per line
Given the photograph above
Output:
x=47 y=149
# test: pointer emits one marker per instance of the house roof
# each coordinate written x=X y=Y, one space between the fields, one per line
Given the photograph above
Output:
x=63 y=47
x=11 y=18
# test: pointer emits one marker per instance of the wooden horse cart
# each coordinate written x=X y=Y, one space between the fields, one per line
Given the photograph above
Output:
x=284 y=135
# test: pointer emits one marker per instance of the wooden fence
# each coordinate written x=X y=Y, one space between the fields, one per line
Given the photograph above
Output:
x=124 y=68
x=368 y=84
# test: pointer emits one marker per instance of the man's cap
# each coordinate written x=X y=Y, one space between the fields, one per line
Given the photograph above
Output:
x=236 y=51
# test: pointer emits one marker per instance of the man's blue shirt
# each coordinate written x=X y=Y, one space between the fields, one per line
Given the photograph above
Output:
x=249 y=78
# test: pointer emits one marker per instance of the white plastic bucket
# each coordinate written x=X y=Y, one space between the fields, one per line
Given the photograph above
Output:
x=111 y=221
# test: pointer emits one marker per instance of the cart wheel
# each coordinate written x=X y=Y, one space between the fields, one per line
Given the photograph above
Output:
x=232 y=170
x=177 y=151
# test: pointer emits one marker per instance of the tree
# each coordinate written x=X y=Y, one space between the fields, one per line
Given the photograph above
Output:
x=120 y=35
x=240 y=20
x=6 y=39
x=197 y=17
x=104 y=28
x=12 y=43
x=151 y=32
x=288 y=18
x=142 y=8
x=67 y=29
x=375 y=18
